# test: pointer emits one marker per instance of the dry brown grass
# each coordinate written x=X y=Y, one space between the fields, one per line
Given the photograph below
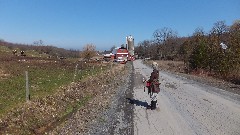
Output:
x=173 y=66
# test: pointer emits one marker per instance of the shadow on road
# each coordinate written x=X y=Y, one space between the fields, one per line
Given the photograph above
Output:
x=137 y=102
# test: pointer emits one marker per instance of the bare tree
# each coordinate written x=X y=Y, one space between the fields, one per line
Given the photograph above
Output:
x=218 y=32
x=219 y=28
x=164 y=39
x=89 y=50
x=162 y=35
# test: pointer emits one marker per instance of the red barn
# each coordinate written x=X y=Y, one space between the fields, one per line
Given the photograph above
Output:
x=122 y=54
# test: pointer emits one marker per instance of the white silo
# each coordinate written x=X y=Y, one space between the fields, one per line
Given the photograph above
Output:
x=130 y=44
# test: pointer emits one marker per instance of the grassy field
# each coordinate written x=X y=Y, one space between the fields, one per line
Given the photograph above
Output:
x=58 y=88
x=45 y=76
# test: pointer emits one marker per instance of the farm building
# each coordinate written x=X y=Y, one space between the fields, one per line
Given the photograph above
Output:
x=109 y=56
x=121 y=54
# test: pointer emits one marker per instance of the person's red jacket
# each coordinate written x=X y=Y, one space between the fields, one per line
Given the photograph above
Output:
x=154 y=80
x=154 y=75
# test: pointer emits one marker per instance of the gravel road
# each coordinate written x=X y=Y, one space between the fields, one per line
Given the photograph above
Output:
x=185 y=107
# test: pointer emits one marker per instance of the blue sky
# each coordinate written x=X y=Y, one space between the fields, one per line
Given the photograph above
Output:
x=71 y=24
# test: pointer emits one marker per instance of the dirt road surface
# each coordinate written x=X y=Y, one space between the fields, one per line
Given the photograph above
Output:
x=184 y=107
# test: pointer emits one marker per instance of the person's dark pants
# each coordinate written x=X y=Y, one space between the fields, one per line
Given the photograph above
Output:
x=153 y=105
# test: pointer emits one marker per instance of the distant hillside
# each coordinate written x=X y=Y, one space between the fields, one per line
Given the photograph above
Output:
x=36 y=50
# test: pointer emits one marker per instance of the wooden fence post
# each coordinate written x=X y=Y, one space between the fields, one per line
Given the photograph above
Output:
x=27 y=87
x=75 y=74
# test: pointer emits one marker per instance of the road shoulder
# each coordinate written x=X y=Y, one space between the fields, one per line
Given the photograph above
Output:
x=118 y=118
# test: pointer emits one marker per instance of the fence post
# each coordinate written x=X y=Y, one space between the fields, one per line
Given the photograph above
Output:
x=27 y=87
x=75 y=74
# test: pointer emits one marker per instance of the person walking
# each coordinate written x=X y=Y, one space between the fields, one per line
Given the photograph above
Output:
x=154 y=86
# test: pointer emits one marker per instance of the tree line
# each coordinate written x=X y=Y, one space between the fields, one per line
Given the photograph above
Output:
x=216 y=52
x=39 y=47
x=88 y=51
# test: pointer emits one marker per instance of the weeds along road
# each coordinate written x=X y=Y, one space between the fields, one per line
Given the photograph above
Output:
x=184 y=107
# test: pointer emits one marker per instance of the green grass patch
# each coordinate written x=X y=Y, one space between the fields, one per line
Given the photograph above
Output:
x=71 y=108
x=45 y=78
